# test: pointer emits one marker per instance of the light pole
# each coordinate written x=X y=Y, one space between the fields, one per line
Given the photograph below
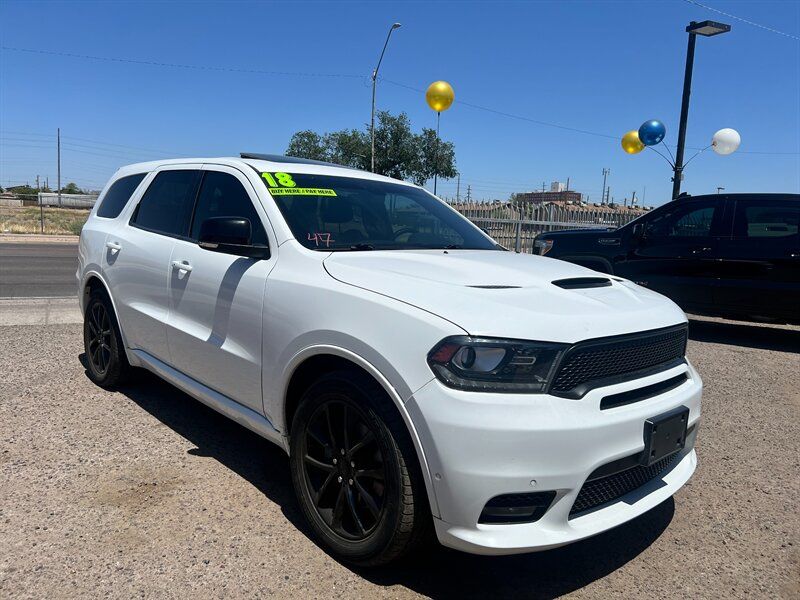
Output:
x=707 y=29
x=374 y=83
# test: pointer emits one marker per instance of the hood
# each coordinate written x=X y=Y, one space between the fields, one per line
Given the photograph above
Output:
x=504 y=294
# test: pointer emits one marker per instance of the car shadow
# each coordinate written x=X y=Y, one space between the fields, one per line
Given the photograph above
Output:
x=435 y=571
x=748 y=335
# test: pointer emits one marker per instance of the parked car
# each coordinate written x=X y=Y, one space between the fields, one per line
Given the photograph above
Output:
x=418 y=375
x=728 y=255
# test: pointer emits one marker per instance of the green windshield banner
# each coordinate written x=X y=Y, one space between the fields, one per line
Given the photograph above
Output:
x=295 y=191
x=283 y=184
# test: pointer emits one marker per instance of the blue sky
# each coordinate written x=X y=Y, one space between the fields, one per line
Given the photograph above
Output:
x=602 y=67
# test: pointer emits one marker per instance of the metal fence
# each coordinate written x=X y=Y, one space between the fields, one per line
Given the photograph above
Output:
x=516 y=226
x=67 y=200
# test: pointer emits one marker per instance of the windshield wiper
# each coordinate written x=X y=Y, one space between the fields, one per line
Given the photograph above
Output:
x=362 y=247
x=454 y=247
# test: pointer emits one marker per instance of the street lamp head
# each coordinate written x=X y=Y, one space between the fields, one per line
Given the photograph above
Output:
x=707 y=28
x=399 y=25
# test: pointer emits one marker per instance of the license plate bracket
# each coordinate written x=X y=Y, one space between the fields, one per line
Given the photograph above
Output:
x=664 y=435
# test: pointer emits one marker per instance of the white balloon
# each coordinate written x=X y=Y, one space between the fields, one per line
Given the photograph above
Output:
x=726 y=141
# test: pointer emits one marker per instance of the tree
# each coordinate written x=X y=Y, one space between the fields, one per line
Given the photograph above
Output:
x=71 y=188
x=399 y=152
x=348 y=147
x=25 y=190
x=433 y=159
x=307 y=144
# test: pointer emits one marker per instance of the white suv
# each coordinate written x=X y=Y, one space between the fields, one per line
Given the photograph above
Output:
x=416 y=373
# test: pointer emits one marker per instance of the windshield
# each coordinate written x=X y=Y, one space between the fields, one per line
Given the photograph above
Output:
x=343 y=213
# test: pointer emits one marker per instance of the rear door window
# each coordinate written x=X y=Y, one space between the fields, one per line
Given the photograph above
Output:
x=118 y=195
x=166 y=206
x=222 y=195
x=766 y=219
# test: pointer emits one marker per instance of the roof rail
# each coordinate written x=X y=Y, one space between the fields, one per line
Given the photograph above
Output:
x=290 y=159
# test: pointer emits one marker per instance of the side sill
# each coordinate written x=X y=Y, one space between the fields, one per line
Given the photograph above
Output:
x=222 y=404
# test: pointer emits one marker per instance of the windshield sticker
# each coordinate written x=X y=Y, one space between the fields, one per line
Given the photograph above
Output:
x=295 y=191
x=320 y=237
x=283 y=184
x=283 y=180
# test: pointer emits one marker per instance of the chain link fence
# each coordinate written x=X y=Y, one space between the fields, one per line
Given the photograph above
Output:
x=42 y=213
x=516 y=225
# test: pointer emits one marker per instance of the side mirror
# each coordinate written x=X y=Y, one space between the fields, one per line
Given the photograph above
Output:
x=230 y=235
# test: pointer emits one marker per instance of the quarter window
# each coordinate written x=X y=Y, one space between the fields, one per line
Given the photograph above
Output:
x=118 y=195
x=766 y=219
x=166 y=206
x=222 y=195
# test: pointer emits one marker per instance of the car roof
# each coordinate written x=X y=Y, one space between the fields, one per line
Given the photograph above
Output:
x=739 y=196
x=264 y=162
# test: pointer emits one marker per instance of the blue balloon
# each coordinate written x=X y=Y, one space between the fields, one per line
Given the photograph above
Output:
x=652 y=132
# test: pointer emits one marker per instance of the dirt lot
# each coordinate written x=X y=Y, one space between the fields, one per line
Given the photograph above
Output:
x=148 y=493
x=57 y=221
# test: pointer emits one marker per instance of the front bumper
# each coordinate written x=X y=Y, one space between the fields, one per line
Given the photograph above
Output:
x=479 y=446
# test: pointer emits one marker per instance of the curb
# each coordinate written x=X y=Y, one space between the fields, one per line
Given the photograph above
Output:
x=37 y=238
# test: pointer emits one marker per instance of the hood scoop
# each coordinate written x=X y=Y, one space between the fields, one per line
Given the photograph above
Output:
x=581 y=283
x=495 y=287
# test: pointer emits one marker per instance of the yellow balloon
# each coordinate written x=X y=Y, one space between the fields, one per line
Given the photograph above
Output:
x=440 y=96
x=631 y=142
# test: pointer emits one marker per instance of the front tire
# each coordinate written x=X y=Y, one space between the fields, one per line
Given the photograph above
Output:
x=107 y=365
x=355 y=471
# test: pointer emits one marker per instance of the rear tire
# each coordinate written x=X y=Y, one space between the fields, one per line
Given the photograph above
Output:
x=107 y=365
x=355 y=471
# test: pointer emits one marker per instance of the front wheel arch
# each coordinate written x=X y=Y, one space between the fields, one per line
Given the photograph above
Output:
x=316 y=362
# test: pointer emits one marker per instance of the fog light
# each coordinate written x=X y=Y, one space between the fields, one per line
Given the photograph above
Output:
x=516 y=508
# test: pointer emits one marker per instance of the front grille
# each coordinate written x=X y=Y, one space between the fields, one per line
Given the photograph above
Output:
x=603 y=490
x=589 y=362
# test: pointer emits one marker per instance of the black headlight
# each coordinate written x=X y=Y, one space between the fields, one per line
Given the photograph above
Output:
x=494 y=365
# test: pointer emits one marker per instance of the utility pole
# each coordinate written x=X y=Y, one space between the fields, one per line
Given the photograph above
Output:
x=543 y=186
x=458 y=188
x=644 y=192
x=608 y=195
x=469 y=193
x=59 y=166
x=633 y=198
x=606 y=172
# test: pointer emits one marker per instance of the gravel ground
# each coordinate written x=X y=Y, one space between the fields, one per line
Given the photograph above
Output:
x=146 y=492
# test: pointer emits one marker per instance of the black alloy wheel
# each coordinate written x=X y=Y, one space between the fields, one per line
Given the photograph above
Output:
x=355 y=471
x=344 y=469
x=98 y=347
x=106 y=363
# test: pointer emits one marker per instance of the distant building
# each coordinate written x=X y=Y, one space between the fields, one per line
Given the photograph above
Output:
x=557 y=186
x=558 y=196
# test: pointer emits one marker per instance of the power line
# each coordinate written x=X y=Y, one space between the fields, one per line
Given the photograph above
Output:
x=344 y=75
x=154 y=63
x=722 y=12
x=97 y=142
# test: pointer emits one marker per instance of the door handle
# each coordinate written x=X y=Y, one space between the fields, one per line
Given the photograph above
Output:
x=113 y=246
x=181 y=265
